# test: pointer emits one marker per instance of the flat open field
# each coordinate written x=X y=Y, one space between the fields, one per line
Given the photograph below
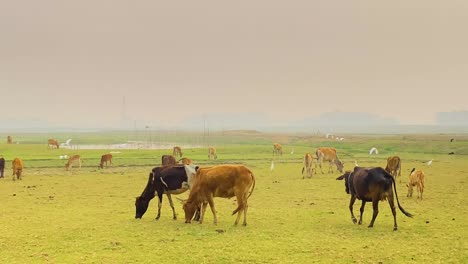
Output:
x=87 y=215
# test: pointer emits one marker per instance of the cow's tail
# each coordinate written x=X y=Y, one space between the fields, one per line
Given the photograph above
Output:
x=253 y=185
x=398 y=202
x=251 y=191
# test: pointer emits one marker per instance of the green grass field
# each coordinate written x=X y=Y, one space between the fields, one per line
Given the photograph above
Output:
x=87 y=215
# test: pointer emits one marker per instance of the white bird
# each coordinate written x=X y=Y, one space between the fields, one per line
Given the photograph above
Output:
x=355 y=164
x=373 y=151
x=327 y=135
x=292 y=151
x=429 y=163
x=341 y=139
x=272 y=166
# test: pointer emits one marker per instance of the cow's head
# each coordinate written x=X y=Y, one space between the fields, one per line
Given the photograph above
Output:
x=141 y=205
x=339 y=165
x=345 y=176
x=410 y=190
x=189 y=208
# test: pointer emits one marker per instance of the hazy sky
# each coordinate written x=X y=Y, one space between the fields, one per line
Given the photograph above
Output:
x=71 y=62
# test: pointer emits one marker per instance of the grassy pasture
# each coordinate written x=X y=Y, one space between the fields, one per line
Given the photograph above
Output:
x=87 y=215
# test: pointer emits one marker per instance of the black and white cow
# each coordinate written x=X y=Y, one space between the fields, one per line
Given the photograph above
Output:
x=165 y=180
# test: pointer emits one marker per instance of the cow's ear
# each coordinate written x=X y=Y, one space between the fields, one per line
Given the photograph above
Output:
x=196 y=168
x=341 y=177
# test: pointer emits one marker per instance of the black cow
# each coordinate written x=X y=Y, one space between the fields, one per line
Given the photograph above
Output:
x=164 y=180
x=371 y=185
x=2 y=167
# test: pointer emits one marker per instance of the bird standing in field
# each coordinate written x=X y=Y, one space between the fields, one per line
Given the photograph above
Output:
x=429 y=163
x=356 y=164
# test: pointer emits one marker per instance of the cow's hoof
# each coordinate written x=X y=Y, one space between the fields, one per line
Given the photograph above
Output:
x=395 y=228
x=360 y=223
x=370 y=226
x=354 y=220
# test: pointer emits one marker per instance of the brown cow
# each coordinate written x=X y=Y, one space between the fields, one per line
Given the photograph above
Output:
x=185 y=161
x=371 y=185
x=328 y=154
x=416 y=178
x=177 y=151
x=17 y=166
x=308 y=160
x=277 y=149
x=220 y=181
x=52 y=142
x=394 y=166
x=105 y=158
x=212 y=153
x=71 y=160
x=9 y=140
x=167 y=160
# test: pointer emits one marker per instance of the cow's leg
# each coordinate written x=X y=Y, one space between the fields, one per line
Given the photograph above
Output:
x=159 y=206
x=420 y=190
x=203 y=210
x=392 y=206
x=213 y=210
x=14 y=175
x=240 y=206
x=174 y=215
x=375 y=206
x=351 y=203
x=362 y=211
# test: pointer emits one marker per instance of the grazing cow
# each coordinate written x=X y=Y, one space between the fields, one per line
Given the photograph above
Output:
x=277 y=149
x=416 y=178
x=167 y=160
x=52 y=142
x=371 y=185
x=2 y=167
x=394 y=166
x=177 y=151
x=212 y=153
x=71 y=160
x=308 y=160
x=164 y=180
x=185 y=161
x=9 y=140
x=220 y=181
x=17 y=166
x=328 y=154
x=104 y=159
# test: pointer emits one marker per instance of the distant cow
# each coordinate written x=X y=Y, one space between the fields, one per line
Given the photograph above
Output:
x=371 y=185
x=212 y=153
x=9 y=140
x=2 y=167
x=394 y=166
x=177 y=151
x=185 y=161
x=277 y=149
x=17 y=166
x=52 y=142
x=71 y=160
x=328 y=154
x=164 y=180
x=307 y=166
x=104 y=159
x=220 y=181
x=167 y=160
x=416 y=178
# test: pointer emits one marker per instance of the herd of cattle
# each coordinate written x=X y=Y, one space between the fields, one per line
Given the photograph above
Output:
x=366 y=184
x=227 y=181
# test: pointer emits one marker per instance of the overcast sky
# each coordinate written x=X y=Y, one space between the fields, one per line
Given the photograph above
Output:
x=72 y=62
